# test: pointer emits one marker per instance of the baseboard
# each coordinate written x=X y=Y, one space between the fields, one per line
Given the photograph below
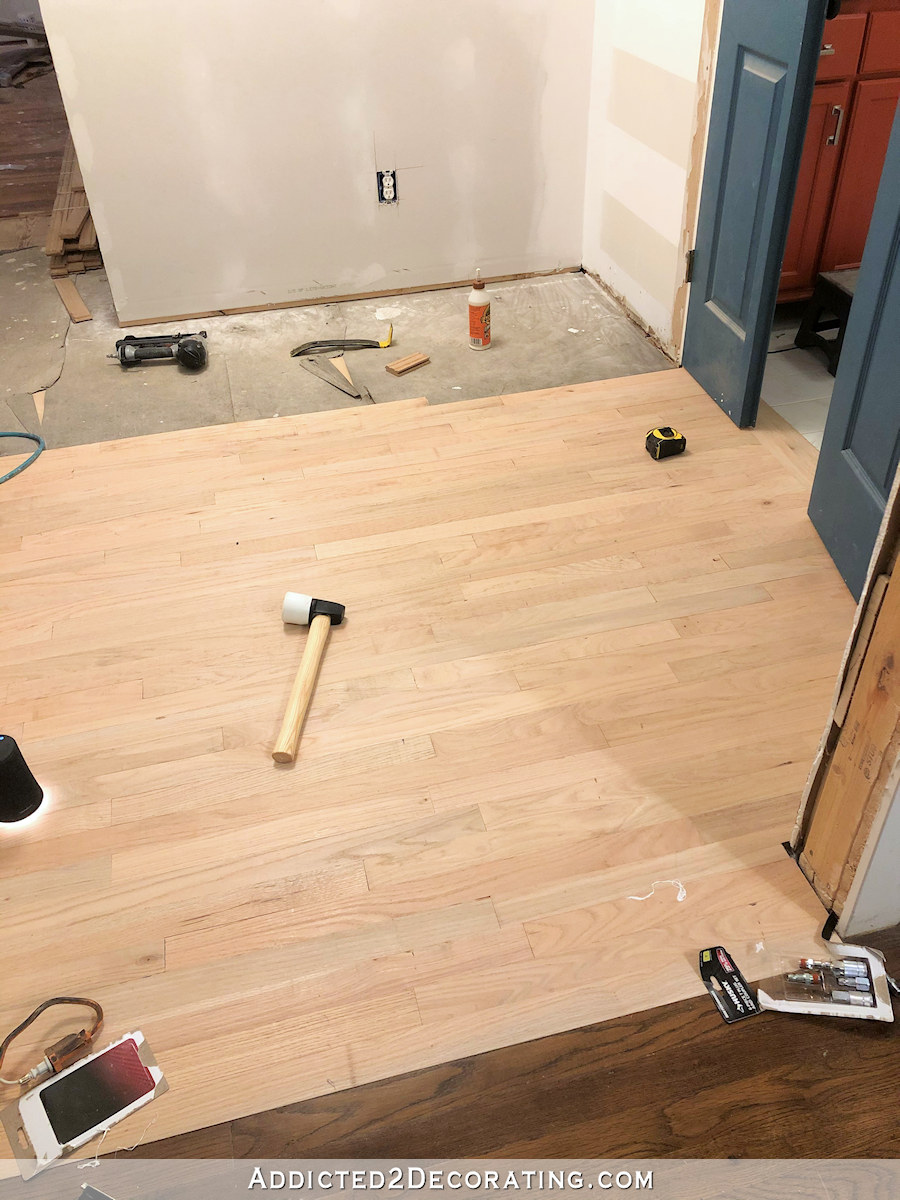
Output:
x=281 y=304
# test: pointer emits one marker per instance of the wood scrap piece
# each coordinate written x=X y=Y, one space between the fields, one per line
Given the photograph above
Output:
x=341 y=366
x=400 y=366
x=68 y=293
x=73 y=221
x=87 y=239
x=322 y=368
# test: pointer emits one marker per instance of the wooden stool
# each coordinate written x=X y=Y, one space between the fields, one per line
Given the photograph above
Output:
x=828 y=308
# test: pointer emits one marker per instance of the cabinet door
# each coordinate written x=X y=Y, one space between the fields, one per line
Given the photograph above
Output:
x=815 y=186
x=868 y=132
x=882 y=44
x=841 y=46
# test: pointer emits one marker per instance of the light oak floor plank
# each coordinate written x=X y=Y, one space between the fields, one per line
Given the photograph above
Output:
x=567 y=671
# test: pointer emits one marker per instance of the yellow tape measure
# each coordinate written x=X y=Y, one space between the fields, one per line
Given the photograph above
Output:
x=665 y=441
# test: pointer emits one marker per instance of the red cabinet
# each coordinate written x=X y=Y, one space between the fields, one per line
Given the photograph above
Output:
x=846 y=141
x=816 y=183
x=842 y=46
x=882 y=51
x=868 y=134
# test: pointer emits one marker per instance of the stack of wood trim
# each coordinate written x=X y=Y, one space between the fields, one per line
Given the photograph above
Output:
x=72 y=239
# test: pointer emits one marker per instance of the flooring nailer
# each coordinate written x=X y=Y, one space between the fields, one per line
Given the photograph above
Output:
x=189 y=349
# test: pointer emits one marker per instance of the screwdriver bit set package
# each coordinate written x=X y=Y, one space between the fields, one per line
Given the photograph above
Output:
x=833 y=981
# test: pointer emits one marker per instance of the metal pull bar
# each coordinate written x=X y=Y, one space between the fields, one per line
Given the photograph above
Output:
x=837 y=111
x=826 y=50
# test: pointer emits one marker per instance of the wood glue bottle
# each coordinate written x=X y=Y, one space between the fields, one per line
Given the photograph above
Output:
x=479 y=316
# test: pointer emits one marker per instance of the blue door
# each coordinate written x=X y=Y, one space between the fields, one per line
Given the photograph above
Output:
x=766 y=67
x=861 y=445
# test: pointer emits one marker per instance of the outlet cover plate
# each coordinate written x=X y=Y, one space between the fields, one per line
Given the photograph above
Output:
x=387 y=187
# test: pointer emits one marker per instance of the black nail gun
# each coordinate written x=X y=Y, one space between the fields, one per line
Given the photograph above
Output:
x=189 y=349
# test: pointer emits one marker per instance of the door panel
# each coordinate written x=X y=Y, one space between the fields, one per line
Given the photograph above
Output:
x=861 y=445
x=757 y=98
x=815 y=186
x=766 y=66
x=868 y=133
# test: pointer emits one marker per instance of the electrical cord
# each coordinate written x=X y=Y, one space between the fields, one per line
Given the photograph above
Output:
x=41 y=447
x=58 y=1056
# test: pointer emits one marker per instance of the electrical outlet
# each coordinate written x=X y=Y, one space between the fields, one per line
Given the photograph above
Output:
x=387 y=187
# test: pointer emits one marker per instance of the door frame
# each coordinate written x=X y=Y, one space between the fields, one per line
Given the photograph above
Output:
x=843 y=838
x=709 y=49
x=837 y=897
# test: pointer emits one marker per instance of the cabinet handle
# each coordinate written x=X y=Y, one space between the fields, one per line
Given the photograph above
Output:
x=837 y=111
x=826 y=50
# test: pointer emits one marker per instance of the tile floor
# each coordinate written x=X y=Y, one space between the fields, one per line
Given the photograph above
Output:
x=797 y=383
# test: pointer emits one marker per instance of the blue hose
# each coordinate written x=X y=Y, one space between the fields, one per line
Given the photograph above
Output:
x=32 y=437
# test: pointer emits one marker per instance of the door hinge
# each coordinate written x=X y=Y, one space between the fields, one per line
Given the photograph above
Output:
x=689 y=270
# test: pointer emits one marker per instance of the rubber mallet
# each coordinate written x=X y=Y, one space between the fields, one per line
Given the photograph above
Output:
x=319 y=615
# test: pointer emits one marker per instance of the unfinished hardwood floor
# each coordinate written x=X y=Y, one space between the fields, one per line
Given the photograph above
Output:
x=567 y=673
x=673 y=1082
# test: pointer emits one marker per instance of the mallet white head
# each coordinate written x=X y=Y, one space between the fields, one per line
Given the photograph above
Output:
x=296 y=608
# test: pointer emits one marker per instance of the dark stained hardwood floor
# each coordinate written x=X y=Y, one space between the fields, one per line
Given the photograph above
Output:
x=33 y=132
x=667 y=1083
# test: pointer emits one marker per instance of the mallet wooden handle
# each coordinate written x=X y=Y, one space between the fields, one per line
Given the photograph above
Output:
x=301 y=693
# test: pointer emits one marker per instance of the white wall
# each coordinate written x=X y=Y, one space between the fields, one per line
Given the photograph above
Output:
x=874 y=899
x=643 y=111
x=229 y=149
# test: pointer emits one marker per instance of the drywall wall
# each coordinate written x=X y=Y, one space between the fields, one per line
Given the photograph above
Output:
x=874 y=899
x=229 y=150
x=642 y=116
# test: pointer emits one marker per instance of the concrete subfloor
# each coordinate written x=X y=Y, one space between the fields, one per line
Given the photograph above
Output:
x=33 y=325
x=547 y=332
